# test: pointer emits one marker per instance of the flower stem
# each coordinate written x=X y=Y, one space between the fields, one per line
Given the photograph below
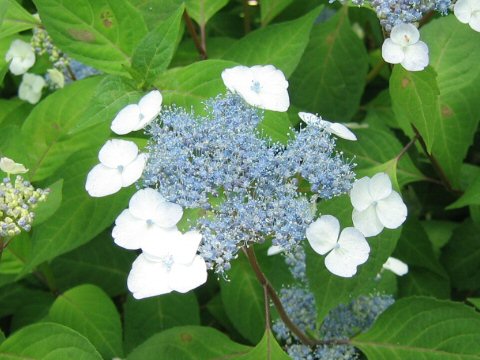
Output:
x=246 y=17
x=193 y=33
x=375 y=71
x=250 y=253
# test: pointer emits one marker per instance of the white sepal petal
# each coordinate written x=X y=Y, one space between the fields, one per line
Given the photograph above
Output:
x=129 y=231
x=103 y=181
x=133 y=171
x=148 y=278
x=392 y=53
x=11 y=167
x=463 y=11
x=367 y=221
x=186 y=247
x=323 y=233
x=274 y=250
x=144 y=203
x=396 y=266
x=405 y=34
x=183 y=278
x=341 y=131
x=126 y=120
x=339 y=265
x=167 y=214
x=117 y=153
x=360 y=194
x=353 y=244
x=416 y=57
x=150 y=106
x=379 y=186
x=391 y=211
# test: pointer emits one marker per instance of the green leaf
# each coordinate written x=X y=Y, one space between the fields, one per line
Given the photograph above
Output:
x=470 y=197
x=331 y=290
x=439 y=233
x=475 y=302
x=426 y=276
x=376 y=147
x=331 y=75
x=100 y=262
x=267 y=349
x=112 y=94
x=454 y=50
x=14 y=111
x=88 y=310
x=46 y=209
x=143 y=318
x=276 y=125
x=202 y=10
x=80 y=217
x=32 y=311
x=269 y=9
x=155 y=12
x=100 y=33
x=190 y=85
x=461 y=257
x=15 y=296
x=263 y=46
x=188 y=343
x=16 y=19
x=156 y=49
x=415 y=102
x=47 y=341
x=243 y=300
x=43 y=144
x=423 y=328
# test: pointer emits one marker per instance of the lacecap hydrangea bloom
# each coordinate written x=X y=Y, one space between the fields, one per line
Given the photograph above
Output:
x=21 y=57
x=245 y=187
x=30 y=88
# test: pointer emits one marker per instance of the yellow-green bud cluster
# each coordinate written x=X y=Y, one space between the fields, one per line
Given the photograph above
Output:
x=17 y=201
x=43 y=44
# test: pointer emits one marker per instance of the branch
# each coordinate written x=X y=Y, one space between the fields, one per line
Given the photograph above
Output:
x=246 y=17
x=406 y=147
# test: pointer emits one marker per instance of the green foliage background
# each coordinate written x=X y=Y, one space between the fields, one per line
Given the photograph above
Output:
x=63 y=285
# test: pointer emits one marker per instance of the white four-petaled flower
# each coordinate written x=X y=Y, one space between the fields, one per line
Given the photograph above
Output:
x=30 y=88
x=261 y=86
x=149 y=218
x=21 y=56
x=404 y=47
x=11 y=167
x=347 y=249
x=134 y=117
x=396 y=266
x=468 y=12
x=171 y=266
x=337 y=129
x=376 y=205
x=120 y=166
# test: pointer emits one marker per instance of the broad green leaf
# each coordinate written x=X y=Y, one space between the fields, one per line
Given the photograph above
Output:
x=14 y=111
x=43 y=144
x=155 y=51
x=470 y=197
x=190 y=85
x=331 y=290
x=330 y=77
x=15 y=19
x=217 y=310
x=32 y=311
x=415 y=102
x=267 y=349
x=100 y=33
x=14 y=296
x=461 y=257
x=454 y=52
x=426 y=276
x=46 y=209
x=264 y=46
x=146 y=317
x=80 y=217
x=112 y=94
x=376 y=147
x=2 y=336
x=188 y=343
x=88 y=310
x=439 y=233
x=269 y=9
x=276 y=125
x=202 y=10
x=47 y=341
x=14 y=257
x=100 y=262
x=475 y=302
x=155 y=12
x=243 y=299
x=423 y=328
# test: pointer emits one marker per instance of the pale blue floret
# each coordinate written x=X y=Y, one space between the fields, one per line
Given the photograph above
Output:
x=194 y=160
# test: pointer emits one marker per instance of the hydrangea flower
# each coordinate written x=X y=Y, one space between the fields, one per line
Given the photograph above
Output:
x=404 y=47
x=55 y=78
x=21 y=56
x=260 y=86
x=468 y=12
x=134 y=117
x=170 y=266
x=30 y=88
x=376 y=205
x=337 y=129
x=148 y=219
x=11 y=167
x=396 y=266
x=346 y=251
x=120 y=166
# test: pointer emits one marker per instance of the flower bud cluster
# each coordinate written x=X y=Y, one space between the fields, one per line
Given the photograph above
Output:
x=42 y=44
x=17 y=202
